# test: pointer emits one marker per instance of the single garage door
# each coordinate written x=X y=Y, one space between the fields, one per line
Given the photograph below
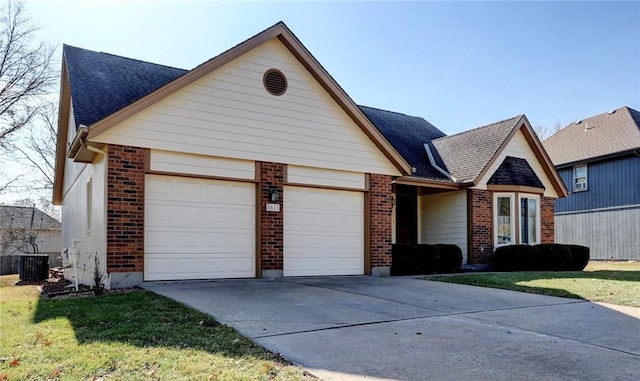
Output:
x=198 y=229
x=323 y=232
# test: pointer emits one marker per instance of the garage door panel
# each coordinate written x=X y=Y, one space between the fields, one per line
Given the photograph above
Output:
x=198 y=228
x=323 y=232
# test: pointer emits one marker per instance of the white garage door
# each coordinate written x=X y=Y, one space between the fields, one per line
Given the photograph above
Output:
x=198 y=229
x=323 y=232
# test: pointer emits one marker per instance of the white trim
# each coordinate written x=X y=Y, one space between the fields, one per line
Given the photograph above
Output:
x=513 y=216
x=538 y=212
x=598 y=210
x=89 y=204
x=434 y=165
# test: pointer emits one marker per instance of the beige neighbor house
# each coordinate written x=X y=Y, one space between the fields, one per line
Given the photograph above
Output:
x=27 y=230
x=258 y=164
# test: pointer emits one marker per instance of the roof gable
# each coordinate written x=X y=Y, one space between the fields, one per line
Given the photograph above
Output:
x=598 y=136
x=467 y=154
x=515 y=171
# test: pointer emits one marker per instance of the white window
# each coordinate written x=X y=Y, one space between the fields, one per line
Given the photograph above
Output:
x=529 y=219
x=504 y=219
x=89 y=206
x=509 y=217
x=580 y=178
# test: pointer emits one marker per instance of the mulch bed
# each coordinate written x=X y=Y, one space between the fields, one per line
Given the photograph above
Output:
x=58 y=287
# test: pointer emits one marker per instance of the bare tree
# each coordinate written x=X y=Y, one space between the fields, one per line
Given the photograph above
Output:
x=26 y=75
x=544 y=132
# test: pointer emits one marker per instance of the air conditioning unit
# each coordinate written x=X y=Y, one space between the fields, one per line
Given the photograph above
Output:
x=34 y=267
x=580 y=186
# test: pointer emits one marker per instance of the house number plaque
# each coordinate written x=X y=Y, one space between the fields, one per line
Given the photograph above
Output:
x=273 y=207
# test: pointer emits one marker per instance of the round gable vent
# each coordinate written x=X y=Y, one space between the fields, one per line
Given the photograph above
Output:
x=275 y=82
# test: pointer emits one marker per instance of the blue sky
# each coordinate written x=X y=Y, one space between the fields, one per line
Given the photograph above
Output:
x=457 y=64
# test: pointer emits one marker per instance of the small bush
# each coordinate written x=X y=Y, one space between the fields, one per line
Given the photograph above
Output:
x=450 y=259
x=404 y=259
x=429 y=259
x=552 y=257
x=515 y=258
x=579 y=257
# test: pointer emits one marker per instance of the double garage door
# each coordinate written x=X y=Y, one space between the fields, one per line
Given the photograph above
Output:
x=205 y=229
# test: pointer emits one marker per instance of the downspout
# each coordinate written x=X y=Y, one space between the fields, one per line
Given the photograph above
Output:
x=84 y=144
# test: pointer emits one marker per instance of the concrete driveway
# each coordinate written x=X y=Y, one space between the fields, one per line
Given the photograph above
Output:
x=404 y=328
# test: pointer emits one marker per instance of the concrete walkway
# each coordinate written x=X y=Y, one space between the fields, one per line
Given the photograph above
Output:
x=343 y=328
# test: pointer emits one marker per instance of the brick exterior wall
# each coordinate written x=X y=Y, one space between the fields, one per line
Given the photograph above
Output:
x=546 y=219
x=125 y=209
x=271 y=223
x=481 y=226
x=380 y=203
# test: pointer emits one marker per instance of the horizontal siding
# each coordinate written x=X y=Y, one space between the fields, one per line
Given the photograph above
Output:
x=519 y=147
x=611 y=234
x=228 y=113
x=611 y=183
x=166 y=161
x=326 y=177
x=443 y=219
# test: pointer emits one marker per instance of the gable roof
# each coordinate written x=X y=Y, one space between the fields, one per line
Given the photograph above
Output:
x=151 y=94
x=467 y=154
x=515 y=171
x=599 y=136
x=408 y=135
x=26 y=217
x=103 y=83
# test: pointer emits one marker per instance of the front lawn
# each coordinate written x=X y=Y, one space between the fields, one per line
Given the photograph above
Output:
x=608 y=282
x=130 y=336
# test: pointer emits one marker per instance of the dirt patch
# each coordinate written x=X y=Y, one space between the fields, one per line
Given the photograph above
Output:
x=59 y=287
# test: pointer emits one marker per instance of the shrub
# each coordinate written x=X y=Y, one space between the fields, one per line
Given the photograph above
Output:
x=515 y=258
x=450 y=259
x=429 y=259
x=552 y=257
x=404 y=259
x=579 y=257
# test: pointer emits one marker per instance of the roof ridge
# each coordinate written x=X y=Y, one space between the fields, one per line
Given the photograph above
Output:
x=580 y=120
x=481 y=127
x=126 y=58
x=393 y=112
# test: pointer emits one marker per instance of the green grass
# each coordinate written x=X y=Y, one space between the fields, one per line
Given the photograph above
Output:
x=133 y=336
x=608 y=282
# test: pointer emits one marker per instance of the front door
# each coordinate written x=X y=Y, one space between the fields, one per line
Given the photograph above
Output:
x=406 y=214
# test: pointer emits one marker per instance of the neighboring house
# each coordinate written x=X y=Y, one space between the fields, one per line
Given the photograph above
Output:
x=27 y=230
x=257 y=164
x=598 y=159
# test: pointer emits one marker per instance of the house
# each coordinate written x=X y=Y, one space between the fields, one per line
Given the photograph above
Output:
x=598 y=159
x=27 y=230
x=257 y=163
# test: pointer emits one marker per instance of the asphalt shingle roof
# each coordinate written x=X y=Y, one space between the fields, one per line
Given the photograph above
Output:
x=515 y=171
x=407 y=134
x=103 y=83
x=21 y=217
x=465 y=155
x=597 y=136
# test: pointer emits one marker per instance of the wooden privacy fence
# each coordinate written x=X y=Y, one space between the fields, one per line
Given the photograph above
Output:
x=10 y=264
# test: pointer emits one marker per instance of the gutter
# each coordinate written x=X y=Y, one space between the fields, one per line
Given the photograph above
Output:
x=436 y=166
x=80 y=143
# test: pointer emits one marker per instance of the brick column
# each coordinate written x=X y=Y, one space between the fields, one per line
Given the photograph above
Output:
x=547 y=208
x=271 y=223
x=125 y=213
x=480 y=226
x=380 y=209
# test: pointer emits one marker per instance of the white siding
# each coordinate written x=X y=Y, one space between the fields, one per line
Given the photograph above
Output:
x=74 y=216
x=228 y=113
x=327 y=177
x=443 y=219
x=518 y=147
x=610 y=234
x=201 y=165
